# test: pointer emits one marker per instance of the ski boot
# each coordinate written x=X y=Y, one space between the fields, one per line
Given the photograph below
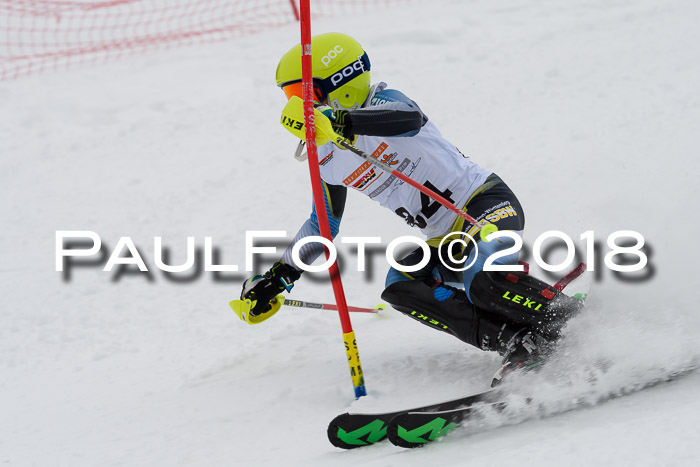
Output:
x=526 y=351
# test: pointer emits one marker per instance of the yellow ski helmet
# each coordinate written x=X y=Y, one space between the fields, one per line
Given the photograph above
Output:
x=340 y=71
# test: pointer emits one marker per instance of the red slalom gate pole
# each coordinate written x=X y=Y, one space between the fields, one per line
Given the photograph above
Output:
x=319 y=202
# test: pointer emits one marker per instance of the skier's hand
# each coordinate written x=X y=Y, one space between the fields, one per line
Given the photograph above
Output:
x=293 y=121
x=262 y=290
x=340 y=120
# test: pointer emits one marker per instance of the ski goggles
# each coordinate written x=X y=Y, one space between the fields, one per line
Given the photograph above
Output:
x=295 y=89
x=325 y=86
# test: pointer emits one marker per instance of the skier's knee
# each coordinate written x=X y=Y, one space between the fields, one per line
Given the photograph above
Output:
x=413 y=258
x=394 y=275
x=436 y=305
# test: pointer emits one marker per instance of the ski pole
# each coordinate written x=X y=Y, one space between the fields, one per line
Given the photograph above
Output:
x=329 y=306
x=292 y=120
x=566 y=280
x=486 y=227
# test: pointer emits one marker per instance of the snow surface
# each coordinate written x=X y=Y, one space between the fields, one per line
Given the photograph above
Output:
x=589 y=110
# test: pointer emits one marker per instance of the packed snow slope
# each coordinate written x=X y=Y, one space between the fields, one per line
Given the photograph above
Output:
x=589 y=110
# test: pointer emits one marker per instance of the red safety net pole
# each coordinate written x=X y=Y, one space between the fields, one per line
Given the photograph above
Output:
x=319 y=202
x=295 y=9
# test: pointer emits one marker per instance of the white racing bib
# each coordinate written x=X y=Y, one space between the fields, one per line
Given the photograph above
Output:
x=427 y=158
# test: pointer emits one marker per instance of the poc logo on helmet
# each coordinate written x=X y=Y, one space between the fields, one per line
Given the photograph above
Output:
x=326 y=59
x=347 y=72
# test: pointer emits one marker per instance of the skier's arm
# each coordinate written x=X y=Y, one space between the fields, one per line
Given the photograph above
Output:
x=334 y=197
x=383 y=122
x=263 y=289
x=391 y=113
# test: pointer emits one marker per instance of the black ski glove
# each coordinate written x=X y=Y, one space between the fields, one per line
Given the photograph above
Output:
x=340 y=120
x=262 y=289
x=342 y=124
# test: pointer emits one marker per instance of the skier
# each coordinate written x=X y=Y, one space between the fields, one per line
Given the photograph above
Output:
x=511 y=313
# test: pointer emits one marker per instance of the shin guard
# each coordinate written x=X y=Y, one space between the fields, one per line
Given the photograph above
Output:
x=524 y=300
x=447 y=309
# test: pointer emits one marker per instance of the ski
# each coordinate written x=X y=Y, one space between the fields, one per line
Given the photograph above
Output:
x=354 y=430
x=418 y=426
x=415 y=429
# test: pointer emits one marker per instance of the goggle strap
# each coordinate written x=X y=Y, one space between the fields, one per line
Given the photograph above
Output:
x=327 y=85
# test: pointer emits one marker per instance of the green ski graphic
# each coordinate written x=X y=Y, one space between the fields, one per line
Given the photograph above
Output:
x=375 y=431
x=436 y=427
